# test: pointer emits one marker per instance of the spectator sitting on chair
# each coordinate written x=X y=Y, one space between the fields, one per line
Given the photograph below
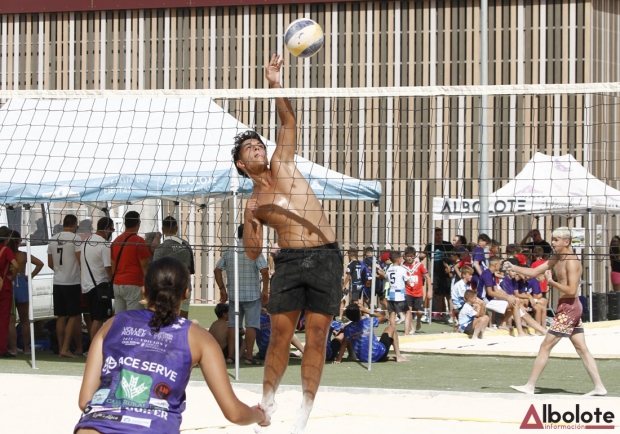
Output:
x=472 y=320
x=357 y=332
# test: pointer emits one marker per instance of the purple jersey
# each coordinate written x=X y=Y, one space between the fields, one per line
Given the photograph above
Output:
x=479 y=255
x=335 y=326
x=358 y=333
x=263 y=335
x=533 y=286
x=486 y=279
x=143 y=378
x=508 y=285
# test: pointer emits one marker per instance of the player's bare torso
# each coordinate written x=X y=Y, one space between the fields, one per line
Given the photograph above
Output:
x=564 y=265
x=288 y=205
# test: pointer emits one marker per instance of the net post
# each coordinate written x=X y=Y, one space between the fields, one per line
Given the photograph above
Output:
x=375 y=242
x=234 y=187
x=33 y=360
x=483 y=222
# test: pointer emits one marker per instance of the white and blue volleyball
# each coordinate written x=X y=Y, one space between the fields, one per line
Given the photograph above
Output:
x=303 y=38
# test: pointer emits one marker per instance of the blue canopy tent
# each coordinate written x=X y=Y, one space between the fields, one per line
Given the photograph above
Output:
x=127 y=149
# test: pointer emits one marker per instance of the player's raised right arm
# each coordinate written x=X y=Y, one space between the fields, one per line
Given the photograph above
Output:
x=287 y=137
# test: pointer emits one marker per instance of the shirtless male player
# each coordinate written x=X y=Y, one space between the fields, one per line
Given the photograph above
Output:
x=308 y=267
x=567 y=321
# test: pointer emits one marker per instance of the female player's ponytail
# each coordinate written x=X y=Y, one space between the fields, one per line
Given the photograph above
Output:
x=165 y=283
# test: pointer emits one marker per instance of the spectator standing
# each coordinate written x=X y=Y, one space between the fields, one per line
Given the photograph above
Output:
x=250 y=296
x=21 y=286
x=96 y=264
x=379 y=277
x=438 y=252
x=7 y=259
x=63 y=256
x=614 y=257
x=414 y=290
x=479 y=258
x=356 y=274
x=537 y=240
x=397 y=277
x=177 y=248
x=130 y=259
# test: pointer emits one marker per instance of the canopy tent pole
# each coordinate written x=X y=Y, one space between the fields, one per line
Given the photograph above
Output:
x=30 y=290
x=235 y=190
x=375 y=245
x=590 y=263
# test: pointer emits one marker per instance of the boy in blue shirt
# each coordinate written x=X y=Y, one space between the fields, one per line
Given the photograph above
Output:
x=472 y=319
x=357 y=333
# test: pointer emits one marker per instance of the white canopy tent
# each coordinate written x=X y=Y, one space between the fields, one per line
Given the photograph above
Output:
x=547 y=185
x=127 y=149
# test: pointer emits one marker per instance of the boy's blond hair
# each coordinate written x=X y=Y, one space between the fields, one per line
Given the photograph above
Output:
x=469 y=294
x=467 y=270
x=563 y=232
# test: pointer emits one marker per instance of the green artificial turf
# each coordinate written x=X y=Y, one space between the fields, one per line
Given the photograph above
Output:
x=424 y=372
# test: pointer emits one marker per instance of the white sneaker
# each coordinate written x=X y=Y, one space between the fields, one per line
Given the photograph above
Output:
x=400 y=320
x=424 y=318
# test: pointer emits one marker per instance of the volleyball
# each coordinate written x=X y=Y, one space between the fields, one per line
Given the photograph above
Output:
x=303 y=38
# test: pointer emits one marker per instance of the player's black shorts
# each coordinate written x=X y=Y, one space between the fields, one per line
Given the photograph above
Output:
x=397 y=306
x=415 y=303
x=307 y=278
x=469 y=330
x=387 y=341
x=67 y=300
x=100 y=310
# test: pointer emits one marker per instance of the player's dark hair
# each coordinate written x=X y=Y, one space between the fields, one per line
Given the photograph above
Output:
x=104 y=223
x=352 y=252
x=369 y=249
x=5 y=233
x=132 y=219
x=69 y=221
x=352 y=311
x=221 y=309
x=538 y=251
x=409 y=250
x=395 y=254
x=485 y=238
x=169 y=223
x=236 y=150
x=165 y=283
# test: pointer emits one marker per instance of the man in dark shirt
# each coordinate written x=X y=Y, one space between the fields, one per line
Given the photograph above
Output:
x=537 y=240
x=439 y=255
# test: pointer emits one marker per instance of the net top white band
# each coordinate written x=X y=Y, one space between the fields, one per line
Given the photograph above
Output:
x=361 y=92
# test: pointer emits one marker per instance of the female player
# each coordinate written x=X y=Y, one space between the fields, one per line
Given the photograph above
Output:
x=140 y=362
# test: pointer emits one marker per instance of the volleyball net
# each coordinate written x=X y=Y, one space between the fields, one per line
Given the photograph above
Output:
x=413 y=154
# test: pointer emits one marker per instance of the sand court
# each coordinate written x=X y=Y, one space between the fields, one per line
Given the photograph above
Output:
x=41 y=403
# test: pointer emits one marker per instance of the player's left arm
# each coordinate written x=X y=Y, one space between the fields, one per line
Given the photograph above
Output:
x=94 y=364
